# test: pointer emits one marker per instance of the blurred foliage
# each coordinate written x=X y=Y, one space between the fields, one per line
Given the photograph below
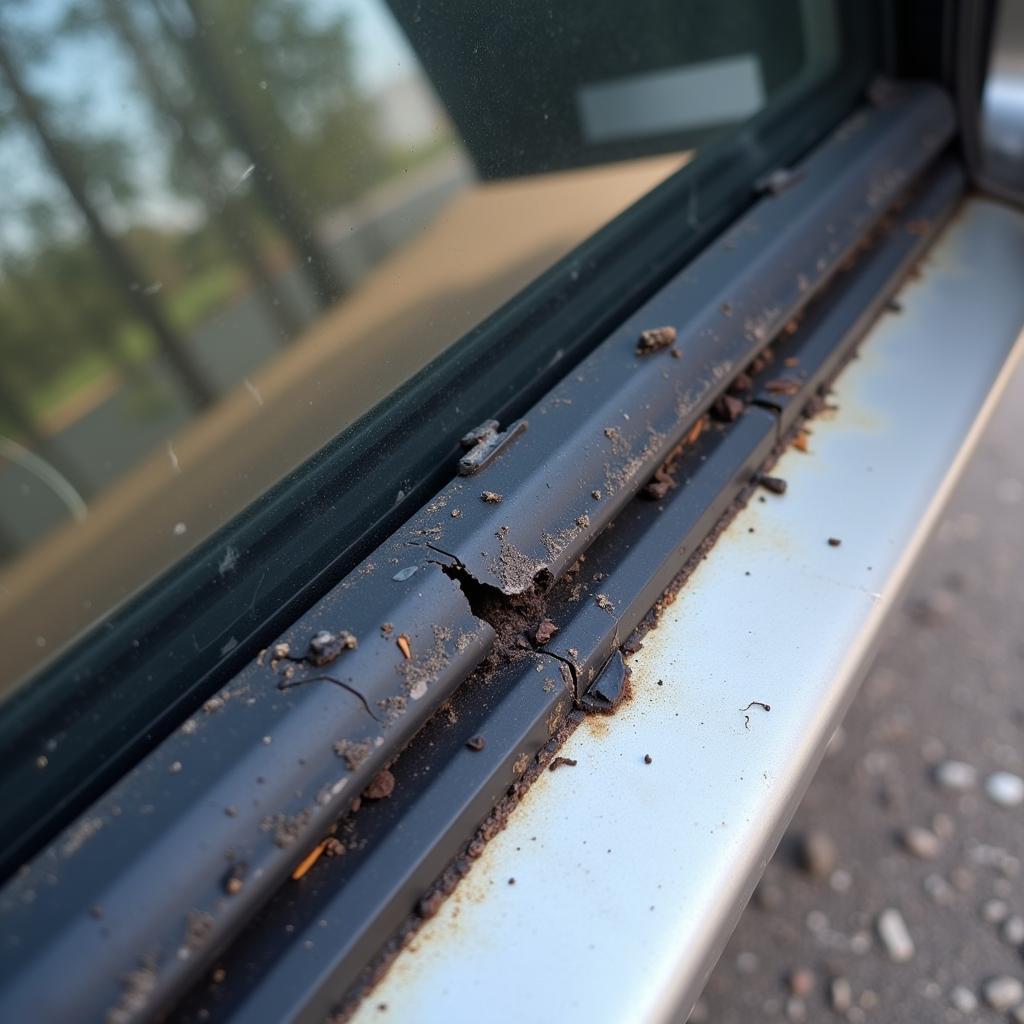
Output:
x=64 y=317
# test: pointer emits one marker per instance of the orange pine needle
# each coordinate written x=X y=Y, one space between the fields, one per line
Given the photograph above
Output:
x=309 y=860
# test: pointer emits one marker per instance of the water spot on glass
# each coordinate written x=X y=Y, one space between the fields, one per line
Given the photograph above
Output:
x=173 y=456
x=254 y=391
x=247 y=173
x=180 y=529
x=406 y=573
x=229 y=561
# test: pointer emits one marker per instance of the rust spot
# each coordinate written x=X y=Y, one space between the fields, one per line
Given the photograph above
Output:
x=403 y=646
x=800 y=442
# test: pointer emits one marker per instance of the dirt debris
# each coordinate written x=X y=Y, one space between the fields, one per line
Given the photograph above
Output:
x=728 y=408
x=137 y=988
x=783 y=386
x=381 y=787
x=353 y=752
x=655 y=339
x=545 y=631
x=326 y=646
x=775 y=484
x=558 y=762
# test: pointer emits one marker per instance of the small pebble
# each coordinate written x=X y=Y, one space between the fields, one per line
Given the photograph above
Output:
x=840 y=880
x=818 y=854
x=962 y=879
x=994 y=912
x=1005 y=789
x=1002 y=992
x=963 y=999
x=747 y=963
x=1013 y=930
x=768 y=895
x=816 y=921
x=957 y=776
x=840 y=995
x=892 y=930
x=921 y=843
x=796 y=1009
x=801 y=982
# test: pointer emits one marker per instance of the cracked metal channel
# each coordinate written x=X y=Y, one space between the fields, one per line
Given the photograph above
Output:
x=161 y=872
x=133 y=900
x=403 y=855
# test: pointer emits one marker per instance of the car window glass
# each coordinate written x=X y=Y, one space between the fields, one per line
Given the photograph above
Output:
x=229 y=228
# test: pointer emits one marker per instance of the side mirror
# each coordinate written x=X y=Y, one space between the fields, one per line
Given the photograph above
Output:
x=990 y=94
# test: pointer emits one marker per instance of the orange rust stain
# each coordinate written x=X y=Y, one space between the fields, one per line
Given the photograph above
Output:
x=800 y=442
x=309 y=860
